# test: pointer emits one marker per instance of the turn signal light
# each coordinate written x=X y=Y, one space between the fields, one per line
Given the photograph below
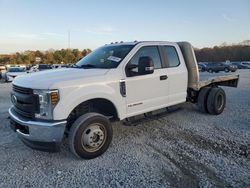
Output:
x=54 y=97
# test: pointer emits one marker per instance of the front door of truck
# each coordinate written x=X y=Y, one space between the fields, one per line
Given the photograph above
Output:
x=147 y=92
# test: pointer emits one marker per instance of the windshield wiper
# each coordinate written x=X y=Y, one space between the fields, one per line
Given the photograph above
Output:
x=87 y=66
x=84 y=66
x=75 y=66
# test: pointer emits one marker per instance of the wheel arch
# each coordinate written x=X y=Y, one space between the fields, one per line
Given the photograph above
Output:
x=100 y=105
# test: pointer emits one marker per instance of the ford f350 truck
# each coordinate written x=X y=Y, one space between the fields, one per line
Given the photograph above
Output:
x=115 y=82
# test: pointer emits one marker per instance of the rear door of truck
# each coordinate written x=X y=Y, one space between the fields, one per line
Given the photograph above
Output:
x=176 y=72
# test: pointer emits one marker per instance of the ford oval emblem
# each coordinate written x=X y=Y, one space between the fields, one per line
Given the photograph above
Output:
x=14 y=99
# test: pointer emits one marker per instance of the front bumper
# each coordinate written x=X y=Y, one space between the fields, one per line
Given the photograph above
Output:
x=39 y=135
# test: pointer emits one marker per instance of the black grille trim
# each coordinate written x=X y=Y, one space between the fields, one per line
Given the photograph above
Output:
x=27 y=103
x=22 y=90
x=22 y=113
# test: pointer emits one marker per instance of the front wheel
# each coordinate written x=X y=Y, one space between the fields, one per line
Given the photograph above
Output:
x=90 y=135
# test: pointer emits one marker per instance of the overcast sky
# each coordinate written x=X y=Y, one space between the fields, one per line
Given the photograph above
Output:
x=44 y=24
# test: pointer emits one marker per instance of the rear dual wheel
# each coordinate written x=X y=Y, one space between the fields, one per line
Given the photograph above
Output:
x=216 y=101
x=212 y=100
x=202 y=99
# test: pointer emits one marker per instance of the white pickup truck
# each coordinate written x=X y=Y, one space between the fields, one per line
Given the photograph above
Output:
x=115 y=82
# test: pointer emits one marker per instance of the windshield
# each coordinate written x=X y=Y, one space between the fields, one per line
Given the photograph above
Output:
x=19 y=69
x=106 y=57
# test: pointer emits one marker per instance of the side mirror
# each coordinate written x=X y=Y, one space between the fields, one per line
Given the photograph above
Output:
x=145 y=65
x=131 y=66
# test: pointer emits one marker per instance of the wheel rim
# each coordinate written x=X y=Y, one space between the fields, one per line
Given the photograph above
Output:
x=220 y=102
x=94 y=137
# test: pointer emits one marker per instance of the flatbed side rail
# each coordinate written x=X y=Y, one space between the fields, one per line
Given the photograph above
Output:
x=228 y=80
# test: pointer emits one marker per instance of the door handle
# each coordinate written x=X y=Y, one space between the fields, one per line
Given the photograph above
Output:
x=163 y=77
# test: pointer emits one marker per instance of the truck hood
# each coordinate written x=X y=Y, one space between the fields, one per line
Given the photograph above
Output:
x=45 y=79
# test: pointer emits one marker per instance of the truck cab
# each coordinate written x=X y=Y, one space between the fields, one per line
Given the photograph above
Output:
x=114 y=83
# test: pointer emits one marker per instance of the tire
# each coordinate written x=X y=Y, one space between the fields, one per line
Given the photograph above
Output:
x=81 y=141
x=226 y=69
x=216 y=101
x=210 y=70
x=202 y=99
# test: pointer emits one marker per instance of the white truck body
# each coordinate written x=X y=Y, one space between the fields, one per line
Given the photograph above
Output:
x=128 y=95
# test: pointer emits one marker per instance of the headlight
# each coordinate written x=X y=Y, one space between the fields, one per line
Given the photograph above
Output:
x=47 y=100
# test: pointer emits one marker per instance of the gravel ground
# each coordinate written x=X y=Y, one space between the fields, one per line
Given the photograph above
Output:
x=182 y=149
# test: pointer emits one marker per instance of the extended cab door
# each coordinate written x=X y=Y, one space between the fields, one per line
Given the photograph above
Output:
x=177 y=74
x=148 y=92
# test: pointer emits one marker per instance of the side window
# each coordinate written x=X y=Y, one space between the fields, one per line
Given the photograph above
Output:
x=172 y=56
x=151 y=51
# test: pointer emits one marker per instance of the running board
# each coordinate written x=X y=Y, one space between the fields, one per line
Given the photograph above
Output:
x=146 y=117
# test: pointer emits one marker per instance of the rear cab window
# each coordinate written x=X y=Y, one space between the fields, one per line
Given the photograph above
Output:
x=171 y=55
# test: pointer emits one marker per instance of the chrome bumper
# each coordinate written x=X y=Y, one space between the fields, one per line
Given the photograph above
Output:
x=38 y=131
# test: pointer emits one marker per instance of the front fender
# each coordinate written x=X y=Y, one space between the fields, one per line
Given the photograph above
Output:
x=71 y=97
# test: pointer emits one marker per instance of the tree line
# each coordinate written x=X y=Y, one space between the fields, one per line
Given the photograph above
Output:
x=65 y=56
x=223 y=53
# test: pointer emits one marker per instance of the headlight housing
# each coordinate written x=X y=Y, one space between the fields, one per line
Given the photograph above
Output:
x=47 y=102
